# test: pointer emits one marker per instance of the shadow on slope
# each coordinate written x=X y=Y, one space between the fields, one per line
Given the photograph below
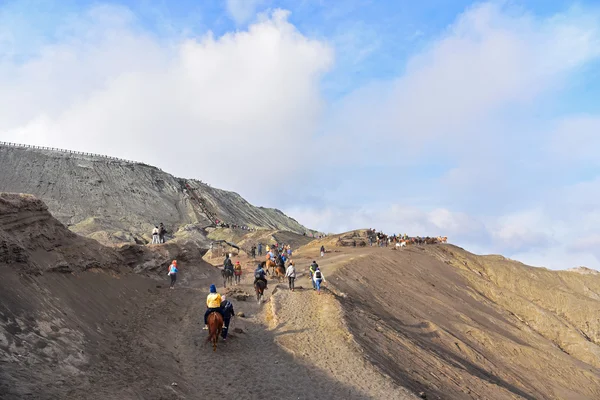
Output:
x=432 y=328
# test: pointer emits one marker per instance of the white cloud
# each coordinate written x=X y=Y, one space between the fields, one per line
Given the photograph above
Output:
x=576 y=140
x=454 y=91
x=202 y=107
x=242 y=11
x=526 y=230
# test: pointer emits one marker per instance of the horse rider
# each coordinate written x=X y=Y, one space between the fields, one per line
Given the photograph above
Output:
x=260 y=275
x=227 y=311
x=213 y=303
x=313 y=267
x=227 y=263
x=318 y=279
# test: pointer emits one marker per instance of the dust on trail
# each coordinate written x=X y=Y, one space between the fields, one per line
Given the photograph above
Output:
x=311 y=327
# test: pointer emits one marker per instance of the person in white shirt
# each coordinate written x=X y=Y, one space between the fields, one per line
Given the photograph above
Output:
x=155 y=235
x=291 y=275
x=318 y=278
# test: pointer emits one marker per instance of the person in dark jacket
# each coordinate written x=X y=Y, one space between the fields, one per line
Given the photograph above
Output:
x=228 y=312
x=227 y=263
x=161 y=233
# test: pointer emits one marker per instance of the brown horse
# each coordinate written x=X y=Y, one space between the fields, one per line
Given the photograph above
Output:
x=259 y=287
x=270 y=266
x=215 y=326
x=280 y=272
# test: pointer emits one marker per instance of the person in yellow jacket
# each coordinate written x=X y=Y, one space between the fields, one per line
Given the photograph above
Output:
x=213 y=303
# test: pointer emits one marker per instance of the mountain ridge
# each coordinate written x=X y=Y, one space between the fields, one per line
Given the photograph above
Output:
x=116 y=200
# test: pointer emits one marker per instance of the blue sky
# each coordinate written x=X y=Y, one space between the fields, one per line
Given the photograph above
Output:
x=475 y=120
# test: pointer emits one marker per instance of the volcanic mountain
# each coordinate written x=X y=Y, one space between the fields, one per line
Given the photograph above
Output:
x=120 y=201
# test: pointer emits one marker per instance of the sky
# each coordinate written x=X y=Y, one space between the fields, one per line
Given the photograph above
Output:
x=473 y=120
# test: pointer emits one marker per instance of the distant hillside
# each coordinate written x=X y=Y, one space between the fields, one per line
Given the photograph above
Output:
x=120 y=201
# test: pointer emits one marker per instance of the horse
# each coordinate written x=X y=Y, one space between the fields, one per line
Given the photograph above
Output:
x=280 y=272
x=270 y=266
x=215 y=327
x=400 y=244
x=227 y=275
x=259 y=287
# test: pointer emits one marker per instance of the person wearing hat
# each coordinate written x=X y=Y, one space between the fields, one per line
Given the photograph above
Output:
x=227 y=311
x=213 y=303
x=173 y=273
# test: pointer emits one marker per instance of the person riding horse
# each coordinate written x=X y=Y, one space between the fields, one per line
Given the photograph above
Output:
x=213 y=304
x=227 y=263
x=260 y=274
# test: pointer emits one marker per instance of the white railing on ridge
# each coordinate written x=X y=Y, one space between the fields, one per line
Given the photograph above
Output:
x=81 y=153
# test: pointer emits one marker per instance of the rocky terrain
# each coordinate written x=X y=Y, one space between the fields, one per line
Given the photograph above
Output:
x=117 y=201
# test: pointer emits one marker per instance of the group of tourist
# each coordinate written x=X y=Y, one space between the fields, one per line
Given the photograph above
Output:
x=381 y=239
x=221 y=224
x=158 y=234
x=278 y=253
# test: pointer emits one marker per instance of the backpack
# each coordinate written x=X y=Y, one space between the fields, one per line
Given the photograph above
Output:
x=258 y=275
x=318 y=274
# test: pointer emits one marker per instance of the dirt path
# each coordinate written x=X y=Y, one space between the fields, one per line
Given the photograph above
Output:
x=311 y=327
x=250 y=365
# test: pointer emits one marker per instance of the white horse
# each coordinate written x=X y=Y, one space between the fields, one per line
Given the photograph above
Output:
x=400 y=244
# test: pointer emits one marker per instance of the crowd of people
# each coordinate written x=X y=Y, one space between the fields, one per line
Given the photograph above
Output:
x=381 y=239
x=279 y=254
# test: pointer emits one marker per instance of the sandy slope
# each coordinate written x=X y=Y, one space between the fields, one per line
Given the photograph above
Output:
x=311 y=327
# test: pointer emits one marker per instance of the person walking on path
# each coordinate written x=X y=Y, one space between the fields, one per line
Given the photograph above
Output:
x=260 y=249
x=173 y=273
x=155 y=235
x=322 y=251
x=313 y=267
x=290 y=273
x=237 y=272
x=228 y=312
x=318 y=279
